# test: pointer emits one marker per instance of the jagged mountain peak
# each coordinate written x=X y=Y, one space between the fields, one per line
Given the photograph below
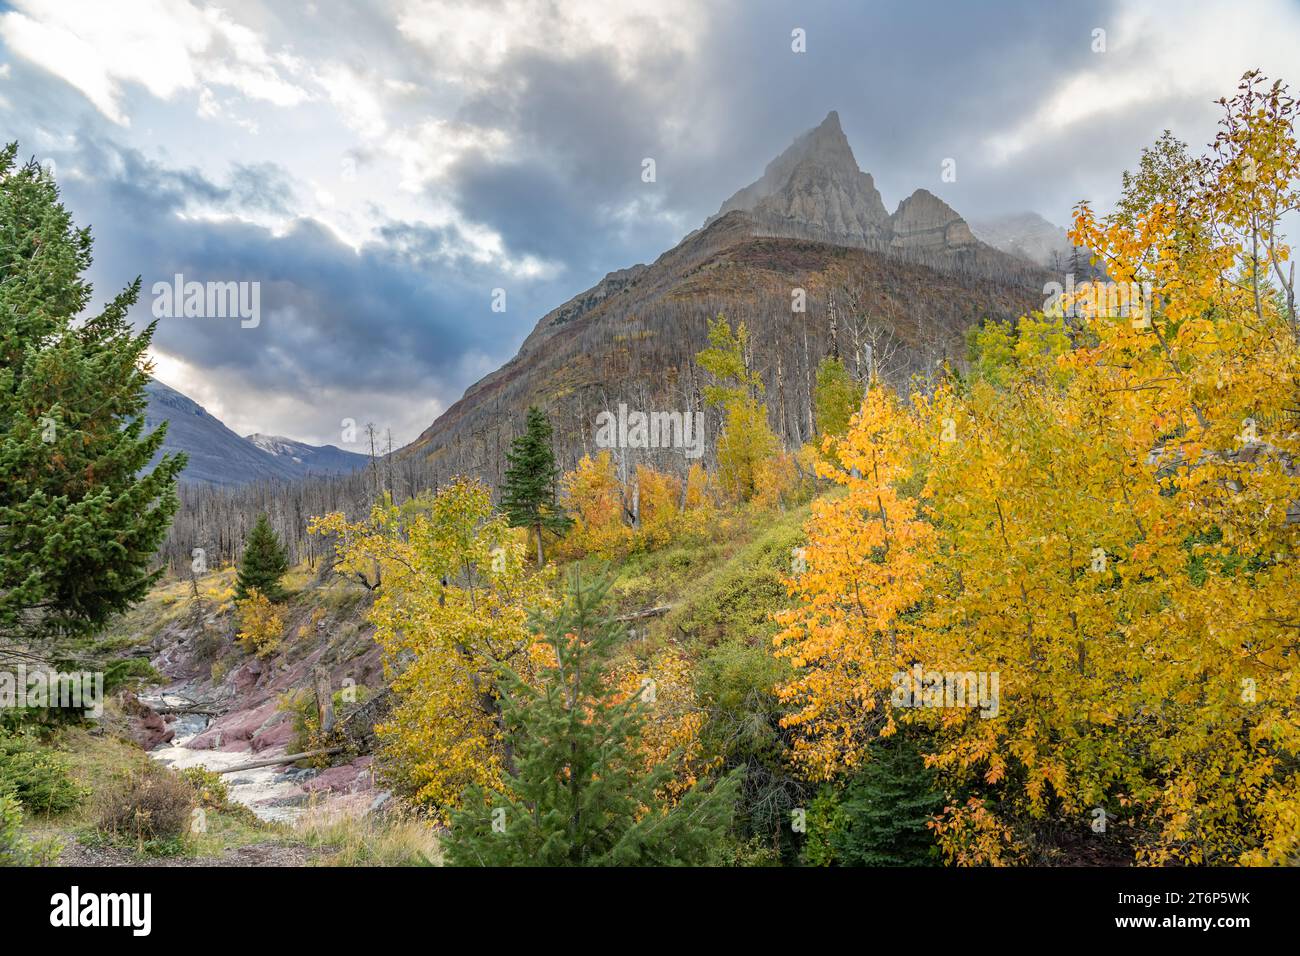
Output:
x=825 y=144
x=816 y=189
x=924 y=198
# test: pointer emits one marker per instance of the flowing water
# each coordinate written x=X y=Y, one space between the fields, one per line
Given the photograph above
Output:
x=273 y=793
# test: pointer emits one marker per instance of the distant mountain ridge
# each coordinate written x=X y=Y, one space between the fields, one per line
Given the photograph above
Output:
x=312 y=459
x=1035 y=239
x=219 y=456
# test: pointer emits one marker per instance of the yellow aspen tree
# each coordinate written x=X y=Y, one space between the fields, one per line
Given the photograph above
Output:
x=1107 y=516
x=451 y=612
x=858 y=576
x=594 y=499
x=659 y=513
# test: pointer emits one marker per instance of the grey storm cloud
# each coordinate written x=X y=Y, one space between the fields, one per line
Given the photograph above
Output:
x=409 y=311
x=390 y=316
x=913 y=85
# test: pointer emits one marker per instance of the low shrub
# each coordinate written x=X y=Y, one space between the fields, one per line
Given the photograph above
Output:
x=306 y=720
x=209 y=787
x=149 y=806
x=261 y=623
x=38 y=776
x=14 y=849
x=131 y=673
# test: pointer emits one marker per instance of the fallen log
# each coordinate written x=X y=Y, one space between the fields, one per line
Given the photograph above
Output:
x=285 y=758
x=202 y=712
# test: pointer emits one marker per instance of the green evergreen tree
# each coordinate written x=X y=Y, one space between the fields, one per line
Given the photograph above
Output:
x=880 y=816
x=580 y=794
x=528 y=493
x=263 y=563
x=836 y=397
x=81 y=513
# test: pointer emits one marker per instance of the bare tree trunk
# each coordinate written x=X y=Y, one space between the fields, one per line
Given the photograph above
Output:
x=780 y=397
x=807 y=382
x=835 y=328
x=324 y=701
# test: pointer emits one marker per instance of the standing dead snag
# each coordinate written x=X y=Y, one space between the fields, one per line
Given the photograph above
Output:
x=324 y=701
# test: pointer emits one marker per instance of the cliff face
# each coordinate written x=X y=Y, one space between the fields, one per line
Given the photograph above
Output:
x=816 y=189
x=924 y=221
x=905 y=285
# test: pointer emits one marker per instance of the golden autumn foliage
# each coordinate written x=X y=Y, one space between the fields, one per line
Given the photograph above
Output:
x=698 y=495
x=747 y=446
x=865 y=557
x=593 y=498
x=450 y=613
x=670 y=734
x=610 y=520
x=1097 y=517
x=658 y=495
x=746 y=450
x=261 y=623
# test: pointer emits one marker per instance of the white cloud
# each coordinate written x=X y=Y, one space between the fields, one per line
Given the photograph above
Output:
x=470 y=40
x=352 y=92
x=425 y=152
x=166 y=47
x=1153 y=55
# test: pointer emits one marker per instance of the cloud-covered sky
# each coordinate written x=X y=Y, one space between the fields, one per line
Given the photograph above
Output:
x=380 y=168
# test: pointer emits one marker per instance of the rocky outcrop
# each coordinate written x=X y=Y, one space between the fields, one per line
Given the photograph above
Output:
x=144 y=725
x=924 y=221
x=815 y=190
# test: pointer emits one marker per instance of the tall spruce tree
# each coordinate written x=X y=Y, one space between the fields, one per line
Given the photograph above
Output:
x=580 y=794
x=263 y=563
x=528 y=493
x=81 y=514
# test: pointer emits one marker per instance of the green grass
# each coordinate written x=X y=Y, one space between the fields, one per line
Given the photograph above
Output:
x=96 y=759
x=732 y=596
x=371 y=841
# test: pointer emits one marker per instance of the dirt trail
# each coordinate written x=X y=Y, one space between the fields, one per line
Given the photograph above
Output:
x=255 y=854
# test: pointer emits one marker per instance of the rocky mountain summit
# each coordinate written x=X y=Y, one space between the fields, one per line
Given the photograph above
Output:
x=815 y=190
x=924 y=221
